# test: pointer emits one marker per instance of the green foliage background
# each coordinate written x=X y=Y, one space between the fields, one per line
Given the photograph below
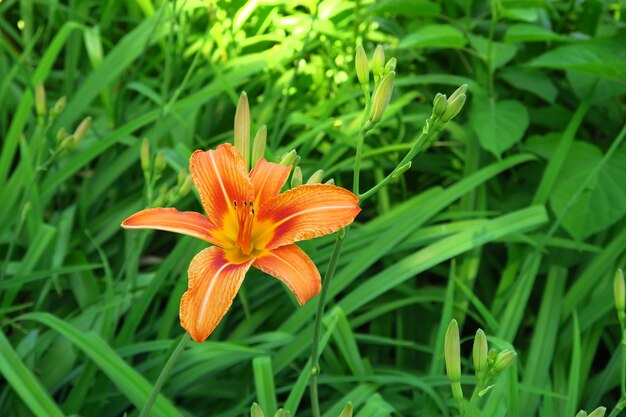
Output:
x=513 y=221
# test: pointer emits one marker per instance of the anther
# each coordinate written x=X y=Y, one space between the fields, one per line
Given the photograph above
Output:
x=235 y=204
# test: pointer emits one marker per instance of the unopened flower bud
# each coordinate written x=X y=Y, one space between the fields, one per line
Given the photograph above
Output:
x=347 y=410
x=391 y=65
x=82 y=129
x=58 y=107
x=316 y=178
x=454 y=107
x=504 y=360
x=258 y=147
x=581 y=413
x=619 y=291
x=185 y=186
x=401 y=170
x=256 y=411
x=439 y=104
x=378 y=63
x=296 y=177
x=159 y=163
x=279 y=413
x=68 y=144
x=242 y=128
x=40 y=100
x=362 y=66
x=144 y=156
x=62 y=134
x=453 y=352
x=461 y=90
x=480 y=352
x=289 y=159
x=330 y=182
x=382 y=95
x=598 y=412
x=491 y=356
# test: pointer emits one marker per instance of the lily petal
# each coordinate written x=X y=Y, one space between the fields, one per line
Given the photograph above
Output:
x=268 y=178
x=293 y=267
x=171 y=220
x=303 y=213
x=213 y=284
x=221 y=178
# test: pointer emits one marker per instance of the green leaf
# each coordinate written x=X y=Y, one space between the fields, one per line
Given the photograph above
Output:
x=499 y=125
x=264 y=383
x=532 y=80
x=25 y=384
x=414 y=8
x=603 y=203
x=601 y=57
x=501 y=53
x=531 y=33
x=434 y=36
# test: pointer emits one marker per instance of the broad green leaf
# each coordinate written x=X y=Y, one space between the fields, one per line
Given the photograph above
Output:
x=531 y=33
x=499 y=53
x=602 y=57
x=532 y=80
x=604 y=89
x=413 y=8
x=498 y=125
x=434 y=36
x=599 y=206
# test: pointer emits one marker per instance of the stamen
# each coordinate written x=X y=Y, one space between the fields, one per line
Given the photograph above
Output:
x=245 y=219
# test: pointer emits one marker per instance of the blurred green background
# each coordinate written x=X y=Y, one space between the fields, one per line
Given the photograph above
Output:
x=513 y=221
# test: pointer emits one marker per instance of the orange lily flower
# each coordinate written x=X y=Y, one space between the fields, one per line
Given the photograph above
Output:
x=250 y=224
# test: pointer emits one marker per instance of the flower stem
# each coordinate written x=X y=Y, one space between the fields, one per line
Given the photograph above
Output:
x=315 y=353
x=165 y=372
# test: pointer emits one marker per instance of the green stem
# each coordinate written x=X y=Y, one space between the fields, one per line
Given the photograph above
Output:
x=315 y=353
x=359 y=143
x=474 y=400
x=618 y=407
x=623 y=379
x=165 y=372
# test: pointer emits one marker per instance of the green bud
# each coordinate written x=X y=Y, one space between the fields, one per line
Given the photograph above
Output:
x=454 y=107
x=440 y=104
x=144 y=156
x=258 y=147
x=459 y=91
x=159 y=163
x=255 y=411
x=619 y=291
x=280 y=413
x=330 y=182
x=347 y=410
x=491 y=356
x=62 y=134
x=378 y=63
x=296 y=177
x=598 y=412
x=453 y=352
x=82 y=129
x=362 y=66
x=316 y=178
x=391 y=65
x=581 y=413
x=480 y=352
x=185 y=186
x=68 y=144
x=286 y=413
x=58 y=107
x=401 y=170
x=242 y=128
x=504 y=360
x=40 y=100
x=289 y=159
x=382 y=95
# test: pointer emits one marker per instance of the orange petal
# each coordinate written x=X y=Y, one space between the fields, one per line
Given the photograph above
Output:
x=302 y=213
x=268 y=178
x=221 y=178
x=293 y=267
x=213 y=284
x=171 y=220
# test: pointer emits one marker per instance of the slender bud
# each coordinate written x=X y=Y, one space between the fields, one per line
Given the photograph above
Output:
x=382 y=95
x=461 y=90
x=480 y=352
x=378 y=63
x=242 y=128
x=598 y=412
x=330 y=182
x=347 y=410
x=258 y=147
x=289 y=158
x=316 y=178
x=296 y=177
x=58 y=107
x=391 y=65
x=362 y=66
x=185 y=186
x=255 y=411
x=581 y=413
x=454 y=107
x=159 y=164
x=619 y=291
x=280 y=413
x=504 y=360
x=144 y=156
x=62 y=134
x=40 y=100
x=82 y=129
x=439 y=104
x=453 y=362
x=404 y=168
